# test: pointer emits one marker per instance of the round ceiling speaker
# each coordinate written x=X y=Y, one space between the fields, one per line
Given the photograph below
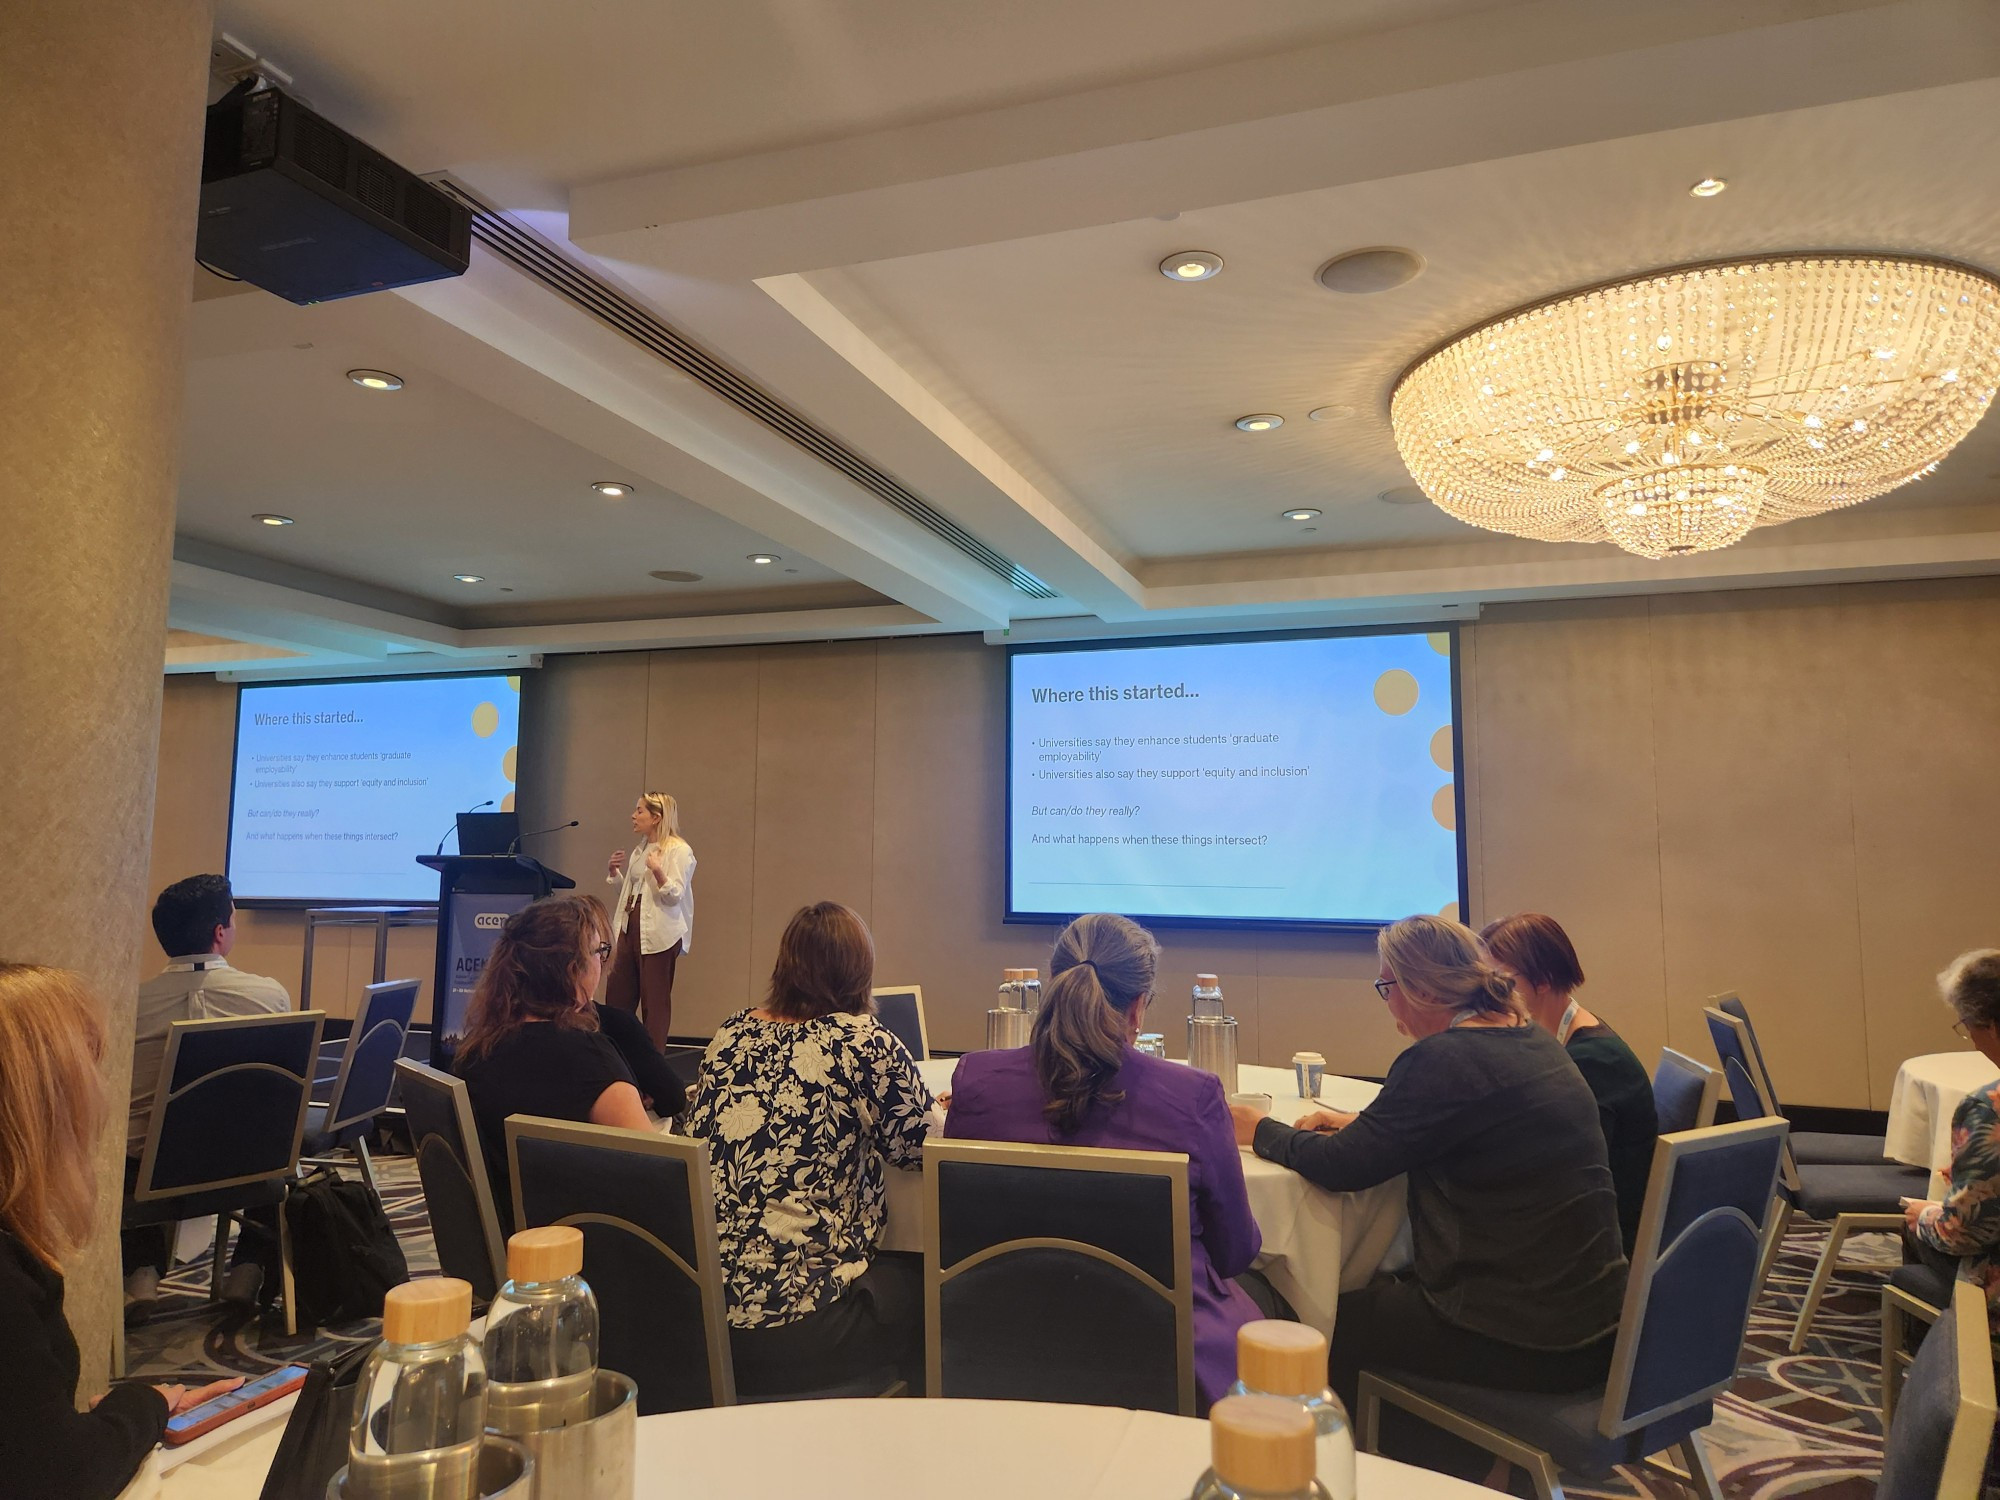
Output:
x=1359 y=272
x=674 y=575
x=1404 y=494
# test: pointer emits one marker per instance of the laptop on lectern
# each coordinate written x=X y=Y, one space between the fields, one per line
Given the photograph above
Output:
x=487 y=833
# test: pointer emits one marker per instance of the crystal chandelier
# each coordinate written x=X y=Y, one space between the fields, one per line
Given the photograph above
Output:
x=1673 y=412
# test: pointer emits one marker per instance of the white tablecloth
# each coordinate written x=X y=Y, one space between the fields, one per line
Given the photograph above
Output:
x=863 y=1450
x=1926 y=1093
x=1316 y=1244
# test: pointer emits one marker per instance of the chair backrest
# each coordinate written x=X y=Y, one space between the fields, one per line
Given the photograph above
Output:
x=368 y=1066
x=1731 y=1004
x=647 y=1211
x=1055 y=1273
x=230 y=1107
x=1945 y=1416
x=457 y=1194
x=1694 y=1271
x=1684 y=1092
x=1748 y=1084
x=900 y=1009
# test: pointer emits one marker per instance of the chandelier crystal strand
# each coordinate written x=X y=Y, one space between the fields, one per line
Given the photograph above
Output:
x=1674 y=412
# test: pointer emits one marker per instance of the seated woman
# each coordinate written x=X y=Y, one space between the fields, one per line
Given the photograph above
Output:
x=1080 y=1083
x=52 y=1112
x=532 y=1044
x=803 y=1100
x=1517 y=1277
x=1962 y=1234
x=659 y=1089
x=1538 y=953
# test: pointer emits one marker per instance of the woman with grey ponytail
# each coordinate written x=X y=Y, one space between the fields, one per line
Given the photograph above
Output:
x=1079 y=1082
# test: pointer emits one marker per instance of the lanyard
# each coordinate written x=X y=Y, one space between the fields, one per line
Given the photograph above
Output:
x=1568 y=1020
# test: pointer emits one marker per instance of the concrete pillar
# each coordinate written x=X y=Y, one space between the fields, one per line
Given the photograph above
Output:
x=101 y=115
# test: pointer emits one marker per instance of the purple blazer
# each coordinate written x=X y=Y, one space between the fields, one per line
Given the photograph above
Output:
x=995 y=1096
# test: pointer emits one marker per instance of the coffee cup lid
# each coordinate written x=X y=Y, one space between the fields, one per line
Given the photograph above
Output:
x=1308 y=1057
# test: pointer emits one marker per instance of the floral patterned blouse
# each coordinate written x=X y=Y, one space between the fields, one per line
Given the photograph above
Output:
x=799 y=1117
x=1967 y=1222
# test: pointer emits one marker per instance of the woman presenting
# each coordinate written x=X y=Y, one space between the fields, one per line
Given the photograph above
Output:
x=653 y=921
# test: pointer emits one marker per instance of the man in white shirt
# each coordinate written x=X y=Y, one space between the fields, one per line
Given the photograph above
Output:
x=195 y=922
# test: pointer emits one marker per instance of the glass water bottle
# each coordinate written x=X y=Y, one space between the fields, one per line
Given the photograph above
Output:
x=1288 y=1360
x=420 y=1409
x=541 y=1335
x=1262 y=1448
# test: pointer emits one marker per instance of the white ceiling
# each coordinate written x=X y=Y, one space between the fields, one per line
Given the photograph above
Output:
x=932 y=231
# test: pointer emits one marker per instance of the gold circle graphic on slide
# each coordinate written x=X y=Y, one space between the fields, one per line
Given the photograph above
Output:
x=514 y=683
x=1440 y=750
x=1444 y=805
x=507 y=763
x=1449 y=911
x=1395 y=691
x=1440 y=642
x=507 y=803
x=485 y=719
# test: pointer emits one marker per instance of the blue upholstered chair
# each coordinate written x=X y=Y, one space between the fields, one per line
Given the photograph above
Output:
x=1850 y=1198
x=900 y=1009
x=647 y=1211
x=1687 y=1302
x=457 y=1195
x=228 y=1115
x=1809 y=1148
x=1938 y=1443
x=1057 y=1273
x=367 y=1074
x=1684 y=1092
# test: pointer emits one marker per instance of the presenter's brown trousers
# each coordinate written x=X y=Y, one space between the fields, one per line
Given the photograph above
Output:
x=642 y=982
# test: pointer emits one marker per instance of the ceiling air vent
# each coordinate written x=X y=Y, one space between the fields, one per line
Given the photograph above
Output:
x=529 y=252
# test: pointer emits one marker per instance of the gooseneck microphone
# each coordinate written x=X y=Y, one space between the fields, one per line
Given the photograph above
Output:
x=454 y=823
x=515 y=847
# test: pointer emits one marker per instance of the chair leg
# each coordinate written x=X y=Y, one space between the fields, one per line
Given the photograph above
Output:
x=1829 y=1261
x=1701 y=1475
x=287 y=1287
x=1892 y=1342
x=1774 y=1237
x=220 y=1256
x=367 y=1165
x=1368 y=1420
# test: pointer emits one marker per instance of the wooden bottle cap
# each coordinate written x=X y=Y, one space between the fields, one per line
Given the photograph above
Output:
x=1282 y=1359
x=548 y=1254
x=422 y=1312
x=1208 y=981
x=1031 y=973
x=1263 y=1443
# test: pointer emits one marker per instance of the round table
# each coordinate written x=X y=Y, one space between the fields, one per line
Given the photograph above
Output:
x=1926 y=1093
x=860 y=1450
x=1316 y=1244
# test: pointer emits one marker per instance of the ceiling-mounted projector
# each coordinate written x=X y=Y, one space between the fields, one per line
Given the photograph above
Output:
x=292 y=203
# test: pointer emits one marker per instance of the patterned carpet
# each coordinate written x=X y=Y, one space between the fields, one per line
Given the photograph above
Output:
x=1793 y=1425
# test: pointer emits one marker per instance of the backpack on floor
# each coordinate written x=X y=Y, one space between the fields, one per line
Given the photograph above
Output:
x=344 y=1254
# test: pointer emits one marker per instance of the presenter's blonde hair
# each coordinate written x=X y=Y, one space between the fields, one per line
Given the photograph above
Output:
x=1442 y=966
x=668 y=811
x=52 y=1107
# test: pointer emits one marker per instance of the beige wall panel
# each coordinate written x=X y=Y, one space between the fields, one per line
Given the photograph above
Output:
x=701 y=748
x=1922 y=688
x=1757 y=861
x=815 y=787
x=940 y=771
x=583 y=749
x=1565 y=806
x=191 y=807
x=1315 y=994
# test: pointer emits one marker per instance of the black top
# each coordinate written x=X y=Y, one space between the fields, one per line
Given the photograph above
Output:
x=1625 y=1113
x=541 y=1069
x=48 y=1449
x=657 y=1083
x=1513 y=1218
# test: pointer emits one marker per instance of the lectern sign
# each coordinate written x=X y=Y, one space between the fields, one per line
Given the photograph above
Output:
x=476 y=920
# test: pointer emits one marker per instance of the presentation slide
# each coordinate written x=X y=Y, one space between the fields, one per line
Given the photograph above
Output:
x=341 y=785
x=1302 y=779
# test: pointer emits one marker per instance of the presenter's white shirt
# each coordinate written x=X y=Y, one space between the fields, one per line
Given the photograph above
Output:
x=666 y=911
x=194 y=987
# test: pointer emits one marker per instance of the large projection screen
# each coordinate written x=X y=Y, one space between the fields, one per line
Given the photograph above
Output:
x=1303 y=780
x=339 y=786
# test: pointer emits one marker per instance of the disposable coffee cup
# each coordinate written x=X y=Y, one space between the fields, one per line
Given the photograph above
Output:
x=1308 y=1068
x=1259 y=1102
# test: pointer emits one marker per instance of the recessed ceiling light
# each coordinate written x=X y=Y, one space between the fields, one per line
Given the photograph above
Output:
x=270 y=518
x=1404 y=494
x=1299 y=515
x=470 y=577
x=1708 y=187
x=1361 y=272
x=616 y=489
x=1262 y=421
x=763 y=559
x=674 y=575
x=1331 y=413
x=376 y=380
x=1190 y=265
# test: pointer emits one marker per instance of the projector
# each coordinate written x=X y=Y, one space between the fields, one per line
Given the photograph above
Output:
x=292 y=203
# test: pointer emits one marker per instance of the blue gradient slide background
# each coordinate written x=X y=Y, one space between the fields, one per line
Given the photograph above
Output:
x=1301 y=780
x=340 y=786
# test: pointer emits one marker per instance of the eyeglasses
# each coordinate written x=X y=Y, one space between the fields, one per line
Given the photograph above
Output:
x=1964 y=1032
x=1383 y=986
x=602 y=950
